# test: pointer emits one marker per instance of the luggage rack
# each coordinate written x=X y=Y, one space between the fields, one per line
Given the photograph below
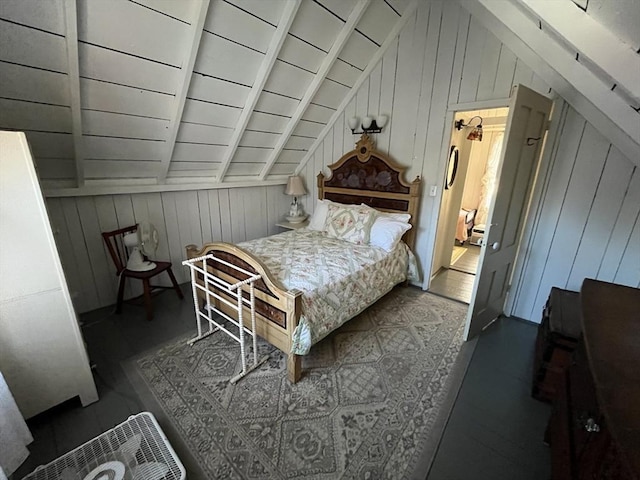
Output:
x=210 y=287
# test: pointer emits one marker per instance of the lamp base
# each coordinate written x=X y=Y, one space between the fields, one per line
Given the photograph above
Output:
x=296 y=209
x=296 y=219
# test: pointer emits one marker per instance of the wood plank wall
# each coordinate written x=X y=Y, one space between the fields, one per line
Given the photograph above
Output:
x=587 y=224
x=444 y=57
x=229 y=215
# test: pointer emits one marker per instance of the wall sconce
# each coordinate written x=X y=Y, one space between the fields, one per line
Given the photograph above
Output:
x=476 y=131
x=368 y=125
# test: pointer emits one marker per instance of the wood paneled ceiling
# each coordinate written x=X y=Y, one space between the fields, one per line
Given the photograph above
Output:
x=124 y=96
x=121 y=95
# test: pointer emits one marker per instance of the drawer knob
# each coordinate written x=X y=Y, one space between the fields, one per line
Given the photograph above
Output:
x=591 y=426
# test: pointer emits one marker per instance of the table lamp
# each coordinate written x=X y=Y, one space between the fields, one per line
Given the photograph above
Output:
x=295 y=188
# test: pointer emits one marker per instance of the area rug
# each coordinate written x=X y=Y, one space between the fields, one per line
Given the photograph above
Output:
x=372 y=401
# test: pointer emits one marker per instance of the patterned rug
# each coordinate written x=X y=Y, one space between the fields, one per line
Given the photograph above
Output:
x=365 y=407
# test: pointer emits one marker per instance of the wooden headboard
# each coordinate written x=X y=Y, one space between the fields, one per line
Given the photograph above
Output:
x=368 y=176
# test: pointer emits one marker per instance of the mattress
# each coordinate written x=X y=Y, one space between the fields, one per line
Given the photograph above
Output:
x=338 y=279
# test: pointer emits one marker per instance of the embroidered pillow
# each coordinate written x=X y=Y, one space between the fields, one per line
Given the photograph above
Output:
x=352 y=223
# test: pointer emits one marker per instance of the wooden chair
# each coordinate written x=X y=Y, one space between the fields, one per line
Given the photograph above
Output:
x=120 y=255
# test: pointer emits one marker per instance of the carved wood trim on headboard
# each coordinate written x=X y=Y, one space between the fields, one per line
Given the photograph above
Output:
x=365 y=175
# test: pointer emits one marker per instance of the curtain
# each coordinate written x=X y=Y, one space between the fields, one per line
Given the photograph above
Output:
x=14 y=434
x=489 y=179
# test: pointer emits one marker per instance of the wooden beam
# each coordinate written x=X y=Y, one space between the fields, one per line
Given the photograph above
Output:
x=280 y=35
x=395 y=31
x=183 y=88
x=552 y=62
x=327 y=63
x=113 y=188
x=592 y=40
x=71 y=37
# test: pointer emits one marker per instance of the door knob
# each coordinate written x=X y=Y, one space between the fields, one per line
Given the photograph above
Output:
x=591 y=426
x=495 y=245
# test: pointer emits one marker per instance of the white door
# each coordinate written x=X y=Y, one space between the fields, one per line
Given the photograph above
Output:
x=523 y=139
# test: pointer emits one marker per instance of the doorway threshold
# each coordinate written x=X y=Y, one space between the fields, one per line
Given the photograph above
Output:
x=453 y=284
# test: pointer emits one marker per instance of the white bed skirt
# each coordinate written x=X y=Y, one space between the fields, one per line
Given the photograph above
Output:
x=14 y=433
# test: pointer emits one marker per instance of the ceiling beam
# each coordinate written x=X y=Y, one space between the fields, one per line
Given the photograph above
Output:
x=326 y=65
x=71 y=37
x=395 y=31
x=557 y=66
x=115 y=187
x=592 y=40
x=183 y=88
x=280 y=35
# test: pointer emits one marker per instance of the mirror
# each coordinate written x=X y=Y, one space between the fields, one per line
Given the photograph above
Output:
x=452 y=167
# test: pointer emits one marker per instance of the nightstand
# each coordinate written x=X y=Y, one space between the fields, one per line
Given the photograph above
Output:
x=292 y=226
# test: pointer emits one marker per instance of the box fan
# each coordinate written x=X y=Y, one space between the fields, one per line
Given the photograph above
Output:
x=137 y=449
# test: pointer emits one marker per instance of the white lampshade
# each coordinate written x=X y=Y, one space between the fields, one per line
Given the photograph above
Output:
x=295 y=187
x=353 y=123
x=381 y=120
x=366 y=122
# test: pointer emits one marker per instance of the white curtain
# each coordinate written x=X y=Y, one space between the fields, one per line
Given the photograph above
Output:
x=14 y=433
x=489 y=179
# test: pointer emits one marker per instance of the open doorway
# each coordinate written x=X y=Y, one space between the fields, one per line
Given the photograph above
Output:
x=474 y=155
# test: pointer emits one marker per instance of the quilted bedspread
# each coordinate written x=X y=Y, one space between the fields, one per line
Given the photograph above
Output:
x=338 y=279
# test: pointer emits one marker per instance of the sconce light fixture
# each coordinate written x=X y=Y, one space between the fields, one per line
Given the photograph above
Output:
x=369 y=124
x=476 y=131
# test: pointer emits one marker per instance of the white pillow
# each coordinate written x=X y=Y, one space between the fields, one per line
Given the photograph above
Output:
x=387 y=231
x=402 y=217
x=319 y=215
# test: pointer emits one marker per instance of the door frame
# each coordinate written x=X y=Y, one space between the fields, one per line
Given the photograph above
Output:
x=558 y=115
x=452 y=109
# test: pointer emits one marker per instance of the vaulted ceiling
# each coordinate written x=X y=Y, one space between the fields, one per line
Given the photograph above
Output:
x=144 y=92
x=136 y=95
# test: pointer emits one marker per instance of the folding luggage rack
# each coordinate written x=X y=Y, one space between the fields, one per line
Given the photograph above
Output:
x=216 y=290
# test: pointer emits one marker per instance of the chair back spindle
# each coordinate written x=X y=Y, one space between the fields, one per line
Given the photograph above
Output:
x=117 y=249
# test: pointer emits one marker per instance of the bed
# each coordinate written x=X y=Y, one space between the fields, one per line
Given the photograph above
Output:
x=312 y=283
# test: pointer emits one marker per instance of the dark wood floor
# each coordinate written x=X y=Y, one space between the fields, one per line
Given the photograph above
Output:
x=495 y=430
x=456 y=282
x=468 y=262
x=110 y=339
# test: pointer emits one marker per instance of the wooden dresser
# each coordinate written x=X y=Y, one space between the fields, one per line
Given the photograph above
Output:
x=594 y=431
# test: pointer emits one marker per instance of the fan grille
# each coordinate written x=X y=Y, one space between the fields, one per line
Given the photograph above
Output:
x=154 y=447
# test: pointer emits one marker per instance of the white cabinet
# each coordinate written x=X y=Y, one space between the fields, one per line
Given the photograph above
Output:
x=42 y=354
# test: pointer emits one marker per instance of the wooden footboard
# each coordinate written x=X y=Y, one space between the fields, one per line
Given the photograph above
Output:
x=277 y=309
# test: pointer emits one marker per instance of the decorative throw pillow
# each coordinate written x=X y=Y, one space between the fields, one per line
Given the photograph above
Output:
x=352 y=223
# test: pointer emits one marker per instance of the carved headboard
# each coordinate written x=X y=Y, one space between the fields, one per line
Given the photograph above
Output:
x=368 y=176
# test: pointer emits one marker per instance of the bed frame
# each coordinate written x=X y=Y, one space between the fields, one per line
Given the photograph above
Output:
x=363 y=175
